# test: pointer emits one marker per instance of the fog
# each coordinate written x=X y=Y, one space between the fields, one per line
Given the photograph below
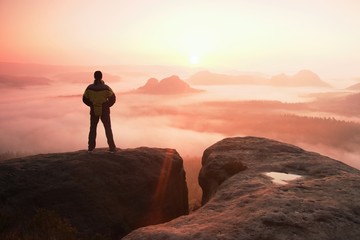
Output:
x=40 y=117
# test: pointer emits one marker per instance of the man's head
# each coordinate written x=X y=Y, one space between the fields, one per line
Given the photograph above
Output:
x=98 y=75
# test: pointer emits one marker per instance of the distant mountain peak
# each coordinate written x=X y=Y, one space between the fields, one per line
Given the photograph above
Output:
x=151 y=82
x=173 y=78
x=168 y=85
x=300 y=79
x=307 y=74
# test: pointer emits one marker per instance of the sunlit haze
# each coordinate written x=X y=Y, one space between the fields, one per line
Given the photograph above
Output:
x=261 y=36
x=177 y=77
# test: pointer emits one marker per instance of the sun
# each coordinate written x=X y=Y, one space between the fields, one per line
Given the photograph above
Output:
x=194 y=59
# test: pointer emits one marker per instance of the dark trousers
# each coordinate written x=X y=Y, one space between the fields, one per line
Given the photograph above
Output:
x=107 y=125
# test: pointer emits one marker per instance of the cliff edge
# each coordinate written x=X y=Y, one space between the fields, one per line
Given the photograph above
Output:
x=257 y=188
x=87 y=195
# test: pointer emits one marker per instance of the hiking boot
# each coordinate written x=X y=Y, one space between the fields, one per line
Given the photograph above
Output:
x=112 y=150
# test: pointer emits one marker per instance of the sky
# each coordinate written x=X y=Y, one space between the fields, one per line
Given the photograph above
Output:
x=259 y=35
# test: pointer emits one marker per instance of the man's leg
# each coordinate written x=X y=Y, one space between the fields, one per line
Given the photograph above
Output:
x=107 y=125
x=92 y=134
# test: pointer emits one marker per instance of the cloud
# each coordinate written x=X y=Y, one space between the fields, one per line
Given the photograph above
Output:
x=85 y=77
x=52 y=118
x=22 y=81
x=259 y=118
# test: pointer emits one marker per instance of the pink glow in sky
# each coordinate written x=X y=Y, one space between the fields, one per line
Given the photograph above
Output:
x=264 y=36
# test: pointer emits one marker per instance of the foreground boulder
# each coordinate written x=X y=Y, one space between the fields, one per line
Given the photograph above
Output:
x=86 y=195
x=245 y=203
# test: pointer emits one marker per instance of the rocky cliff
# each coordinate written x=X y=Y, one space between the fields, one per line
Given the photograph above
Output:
x=97 y=194
x=242 y=200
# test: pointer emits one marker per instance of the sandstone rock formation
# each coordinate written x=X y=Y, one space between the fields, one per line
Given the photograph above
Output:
x=245 y=204
x=97 y=193
x=169 y=85
x=304 y=78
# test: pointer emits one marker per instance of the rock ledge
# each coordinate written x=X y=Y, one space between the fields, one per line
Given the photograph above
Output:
x=245 y=204
x=97 y=193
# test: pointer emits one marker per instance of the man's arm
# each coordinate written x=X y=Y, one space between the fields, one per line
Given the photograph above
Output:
x=111 y=98
x=86 y=99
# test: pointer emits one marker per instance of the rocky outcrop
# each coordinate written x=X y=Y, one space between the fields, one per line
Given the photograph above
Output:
x=304 y=78
x=167 y=86
x=216 y=168
x=245 y=203
x=98 y=193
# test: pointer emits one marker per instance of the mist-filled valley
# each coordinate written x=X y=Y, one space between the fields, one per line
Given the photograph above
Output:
x=169 y=107
x=43 y=110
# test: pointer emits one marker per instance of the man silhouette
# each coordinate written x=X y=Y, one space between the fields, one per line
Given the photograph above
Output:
x=99 y=97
